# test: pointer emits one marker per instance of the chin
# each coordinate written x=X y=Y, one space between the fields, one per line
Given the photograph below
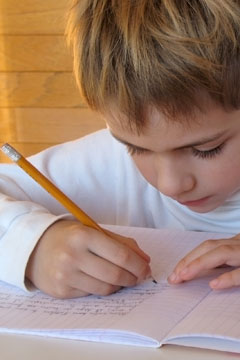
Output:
x=204 y=210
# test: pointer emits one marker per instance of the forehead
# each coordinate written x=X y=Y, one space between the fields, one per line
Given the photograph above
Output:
x=169 y=132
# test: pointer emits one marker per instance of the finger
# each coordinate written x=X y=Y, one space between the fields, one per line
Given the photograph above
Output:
x=223 y=254
x=61 y=291
x=131 y=243
x=226 y=280
x=119 y=254
x=81 y=282
x=69 y=293
x=200 y=250
x=106 y=271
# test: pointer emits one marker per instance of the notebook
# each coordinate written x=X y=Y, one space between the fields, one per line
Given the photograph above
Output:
x=148 y=315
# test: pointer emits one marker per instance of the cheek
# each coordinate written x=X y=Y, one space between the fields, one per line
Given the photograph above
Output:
x=146 y=167
x=223 y=175
x=230 y=177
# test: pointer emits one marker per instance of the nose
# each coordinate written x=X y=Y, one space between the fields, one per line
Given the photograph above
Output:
x=174 y=177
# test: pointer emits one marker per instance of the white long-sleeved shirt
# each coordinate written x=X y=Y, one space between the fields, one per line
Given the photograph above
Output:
x=97 y=173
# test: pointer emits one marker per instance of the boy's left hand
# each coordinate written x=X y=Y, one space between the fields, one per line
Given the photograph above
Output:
x=209 y=255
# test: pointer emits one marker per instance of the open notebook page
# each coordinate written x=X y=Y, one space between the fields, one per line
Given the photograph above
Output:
x=220 y=315
x=149 y=309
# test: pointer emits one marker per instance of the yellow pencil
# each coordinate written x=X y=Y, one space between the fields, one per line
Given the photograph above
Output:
x=15 y=156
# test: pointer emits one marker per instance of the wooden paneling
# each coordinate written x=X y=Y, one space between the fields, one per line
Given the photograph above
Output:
x=32 y=130
x=47 y=125
x=39 y=101
x=40 y=89
x=32 y=16
x=34 y=53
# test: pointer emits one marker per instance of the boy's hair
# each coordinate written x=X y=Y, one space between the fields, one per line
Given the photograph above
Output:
x=129 y=54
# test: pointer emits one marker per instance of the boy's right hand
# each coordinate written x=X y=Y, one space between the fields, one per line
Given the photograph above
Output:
x=73 y=260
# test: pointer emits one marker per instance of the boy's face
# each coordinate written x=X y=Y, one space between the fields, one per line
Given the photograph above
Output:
x=196 y=163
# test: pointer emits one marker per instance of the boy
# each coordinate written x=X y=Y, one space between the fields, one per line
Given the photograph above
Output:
x=165 y=75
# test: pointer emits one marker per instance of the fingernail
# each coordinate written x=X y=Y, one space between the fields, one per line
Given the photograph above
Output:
x=184 y=271
x=214 y=283
x=143 y=277
x=172 y=277
x=149 y=275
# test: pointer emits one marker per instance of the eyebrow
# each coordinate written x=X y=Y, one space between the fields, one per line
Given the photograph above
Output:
x=126 y=142
x=197 y=143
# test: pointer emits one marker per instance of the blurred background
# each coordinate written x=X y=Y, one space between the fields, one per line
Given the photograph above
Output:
x=39 y=103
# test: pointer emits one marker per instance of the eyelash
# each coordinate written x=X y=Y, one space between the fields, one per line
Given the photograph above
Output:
x=135 y=151
x=206 y=154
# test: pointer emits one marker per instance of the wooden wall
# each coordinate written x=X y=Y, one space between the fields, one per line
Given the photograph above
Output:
x=39 y=102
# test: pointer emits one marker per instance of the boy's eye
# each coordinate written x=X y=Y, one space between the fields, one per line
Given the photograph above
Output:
x=208 y=154
x=134 y=150
x=203 y=154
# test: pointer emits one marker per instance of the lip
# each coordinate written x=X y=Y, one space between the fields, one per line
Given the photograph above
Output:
x=193 y=203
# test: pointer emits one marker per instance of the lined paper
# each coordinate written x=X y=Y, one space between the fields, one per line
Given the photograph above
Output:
x=143 y=315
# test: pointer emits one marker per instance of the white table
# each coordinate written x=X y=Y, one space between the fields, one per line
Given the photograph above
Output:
x=18 y=347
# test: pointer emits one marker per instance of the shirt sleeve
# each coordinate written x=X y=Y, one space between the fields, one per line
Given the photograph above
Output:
x=22 y=224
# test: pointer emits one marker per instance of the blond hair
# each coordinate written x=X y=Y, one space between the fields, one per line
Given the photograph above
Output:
x=136 y=53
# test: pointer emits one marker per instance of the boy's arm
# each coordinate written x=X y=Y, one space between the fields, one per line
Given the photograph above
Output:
x=21 y=225
x=64 y=258
x=26 y=211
